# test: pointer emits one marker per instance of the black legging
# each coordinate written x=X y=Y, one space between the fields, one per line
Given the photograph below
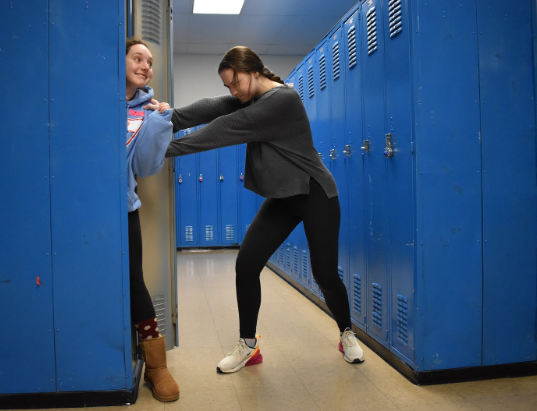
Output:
x=141 y=304
x=275 y=220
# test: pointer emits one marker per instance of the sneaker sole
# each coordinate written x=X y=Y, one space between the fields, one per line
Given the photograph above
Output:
x=355 y=361
x=256 y=358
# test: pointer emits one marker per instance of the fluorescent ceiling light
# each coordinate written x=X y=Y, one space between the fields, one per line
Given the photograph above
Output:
x=218 y=6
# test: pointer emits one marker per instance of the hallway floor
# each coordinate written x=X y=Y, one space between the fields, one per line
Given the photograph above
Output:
x=302 y=368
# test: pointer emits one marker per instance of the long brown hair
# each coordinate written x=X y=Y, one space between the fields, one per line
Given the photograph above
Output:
x=241 y=59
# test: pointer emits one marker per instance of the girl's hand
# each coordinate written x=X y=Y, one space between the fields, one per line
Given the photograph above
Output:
x=155 y=105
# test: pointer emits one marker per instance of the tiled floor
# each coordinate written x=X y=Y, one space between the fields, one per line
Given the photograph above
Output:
x=302 y=368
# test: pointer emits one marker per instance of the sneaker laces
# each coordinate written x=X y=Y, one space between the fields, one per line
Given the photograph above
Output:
x=240 y=349
x=349 y=338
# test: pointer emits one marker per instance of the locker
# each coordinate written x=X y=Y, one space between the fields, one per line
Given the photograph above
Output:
x=187 y=198
x=67 y=262
x=247 y=199
x=355 y=168
x=339 y=144
x=25 y=261
x=507 y=106
x=207 y=182
x=374 y=132
x=440 y=180
x=228 y=195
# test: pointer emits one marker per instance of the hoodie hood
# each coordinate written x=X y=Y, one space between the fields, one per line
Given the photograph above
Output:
x=142 y=95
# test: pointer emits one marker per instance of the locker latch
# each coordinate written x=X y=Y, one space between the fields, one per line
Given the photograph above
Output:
x=221 y=177
x=201 y=178
x=241 y=177
x=180 y=179
x=347 y=151
x=333 y=154
x=366 y=146
x=388 y=151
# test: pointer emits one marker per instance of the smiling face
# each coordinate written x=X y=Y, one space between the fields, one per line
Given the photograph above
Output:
x=139 y=68
x=243 y=86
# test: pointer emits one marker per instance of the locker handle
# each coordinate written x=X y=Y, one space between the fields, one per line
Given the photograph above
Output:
x=347 y=151
x=201 y=178
x=241 y=177
x=366 y=146
x=333 y=154
x=388 y=150
x=180 y=179
x=221 y=177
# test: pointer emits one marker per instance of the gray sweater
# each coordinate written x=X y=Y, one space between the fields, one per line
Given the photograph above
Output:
x=280 y=156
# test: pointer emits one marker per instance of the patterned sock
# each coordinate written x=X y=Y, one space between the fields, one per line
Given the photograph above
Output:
x=147 y=328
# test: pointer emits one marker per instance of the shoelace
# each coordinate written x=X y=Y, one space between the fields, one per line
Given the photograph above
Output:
x=348 y=339
x=240 y=348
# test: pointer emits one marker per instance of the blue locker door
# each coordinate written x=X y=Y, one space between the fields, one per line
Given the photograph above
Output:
x=355 y=168
x=400 y=169
x=375 y=170
x=323 y=96
x=207 y=182
x=509 y=186
x=229 y=198
x=247 y=199
x=449 y=274
x=187 y=195
x=339 y=140
x=87 y=151
x=27 y=361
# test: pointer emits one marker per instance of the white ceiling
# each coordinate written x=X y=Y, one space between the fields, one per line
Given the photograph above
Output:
x=269 y=27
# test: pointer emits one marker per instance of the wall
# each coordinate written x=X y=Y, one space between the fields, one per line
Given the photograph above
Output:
x=195 y=75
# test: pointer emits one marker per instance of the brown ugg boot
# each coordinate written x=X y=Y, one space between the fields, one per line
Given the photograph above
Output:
x=156 y=374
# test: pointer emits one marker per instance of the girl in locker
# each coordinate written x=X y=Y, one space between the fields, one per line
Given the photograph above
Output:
x=283 y=166
x=148 y=135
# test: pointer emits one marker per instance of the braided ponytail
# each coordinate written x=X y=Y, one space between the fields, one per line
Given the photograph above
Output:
x=270 y=75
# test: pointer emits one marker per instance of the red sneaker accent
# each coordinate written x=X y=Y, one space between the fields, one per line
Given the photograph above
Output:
x=256 y=359
x=341 y=347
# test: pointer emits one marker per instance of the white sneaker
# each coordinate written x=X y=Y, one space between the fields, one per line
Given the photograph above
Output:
x=240 y=356
x=348 y=345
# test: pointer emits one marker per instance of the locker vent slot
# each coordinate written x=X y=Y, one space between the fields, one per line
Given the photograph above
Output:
x=351 y=36
x=281 y=256
x=247 y=227
x=341 y=275
x=396 y=24
x=371 y=31
x=151 y=21
x=335 y=60
x=304 y=273
x=377 y=305
x=209 y=233
x=322 y=71
x=189 y=234
x=402 y=319
x=288 y=259
x=357 y=293
x=311 y=88
x=159 y=303
x=230 y=233
x=301 y=87
x=295 y=261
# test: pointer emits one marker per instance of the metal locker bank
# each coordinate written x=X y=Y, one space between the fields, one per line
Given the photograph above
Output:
x=64 y=278
x=432 y=143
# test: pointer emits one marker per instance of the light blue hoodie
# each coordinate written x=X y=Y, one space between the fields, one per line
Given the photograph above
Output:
x=148 y=136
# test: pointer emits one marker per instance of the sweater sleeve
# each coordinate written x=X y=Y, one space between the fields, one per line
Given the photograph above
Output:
x=151 y=144
x=229 y=130
x=204 y=111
